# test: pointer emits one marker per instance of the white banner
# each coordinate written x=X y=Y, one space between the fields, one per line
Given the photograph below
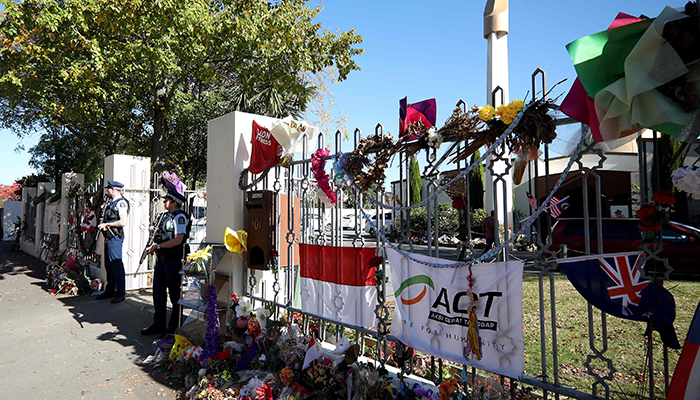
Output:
x=52 y=218
x=435 y=310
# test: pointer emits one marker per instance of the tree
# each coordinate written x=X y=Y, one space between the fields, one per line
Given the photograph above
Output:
x=661 y=174
x=58 y=151
x=112 y=73
x=30 y=181
x=415 y=182
x=476 y=183
x=10 y=192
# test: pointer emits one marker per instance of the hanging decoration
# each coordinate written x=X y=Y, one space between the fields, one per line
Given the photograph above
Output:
x=687 y=179
x=288 y=134
x=641 y=74
x=534 y=128
x=415 y=119
x=236 y=241
x=383 y=149
x=324 y=191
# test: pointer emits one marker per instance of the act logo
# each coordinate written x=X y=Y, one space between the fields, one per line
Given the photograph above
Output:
x=414 y=280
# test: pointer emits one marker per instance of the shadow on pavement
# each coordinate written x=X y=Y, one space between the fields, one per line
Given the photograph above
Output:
x=98 y=321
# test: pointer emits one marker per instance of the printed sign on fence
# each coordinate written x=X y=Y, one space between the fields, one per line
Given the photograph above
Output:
x=437 y=312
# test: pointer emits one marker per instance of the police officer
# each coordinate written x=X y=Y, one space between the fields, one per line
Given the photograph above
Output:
x=169 y=244
x=116 y=216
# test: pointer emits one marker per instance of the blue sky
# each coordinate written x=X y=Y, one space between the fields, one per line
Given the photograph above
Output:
x=434 y=49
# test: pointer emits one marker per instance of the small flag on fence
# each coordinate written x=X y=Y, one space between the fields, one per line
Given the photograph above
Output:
x=686 y=380
x=556 y=206
x=531 y=200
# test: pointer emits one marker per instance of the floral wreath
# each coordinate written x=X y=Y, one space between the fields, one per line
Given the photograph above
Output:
x=325 y=193
x=353 y=163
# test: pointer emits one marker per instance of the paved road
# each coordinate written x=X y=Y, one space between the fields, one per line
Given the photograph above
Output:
x=71 y=347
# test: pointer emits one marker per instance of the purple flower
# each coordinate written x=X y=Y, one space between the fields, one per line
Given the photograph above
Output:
x=211 y=337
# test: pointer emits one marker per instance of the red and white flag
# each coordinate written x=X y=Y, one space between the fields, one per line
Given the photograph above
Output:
x=686 y=379
x=338 y=283
x=311 y=353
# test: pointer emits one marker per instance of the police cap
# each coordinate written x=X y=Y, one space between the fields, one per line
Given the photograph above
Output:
x=115 y=184
x=175 y=196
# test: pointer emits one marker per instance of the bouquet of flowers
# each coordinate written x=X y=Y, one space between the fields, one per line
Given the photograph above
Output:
x=653 y=214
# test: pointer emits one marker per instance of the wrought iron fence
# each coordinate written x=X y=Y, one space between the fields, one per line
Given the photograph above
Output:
x=323 y=226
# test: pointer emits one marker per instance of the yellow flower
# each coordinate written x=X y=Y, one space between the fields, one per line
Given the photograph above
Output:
x=500 y=110
x=200 y=256
x=236 y=241
x=506 y=118
x=486 y=113
x=517 y=104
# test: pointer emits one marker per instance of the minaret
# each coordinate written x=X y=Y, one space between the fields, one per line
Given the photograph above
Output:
x=496 y=33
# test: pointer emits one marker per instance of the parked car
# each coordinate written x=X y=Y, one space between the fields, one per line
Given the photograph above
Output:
x=681 y=243
x=350 y=220
x=198 y=213
x=387 y=221
x=313 y=221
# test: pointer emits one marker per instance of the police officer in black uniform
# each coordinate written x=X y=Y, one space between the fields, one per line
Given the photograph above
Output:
x=169 y=244
x=116 y=216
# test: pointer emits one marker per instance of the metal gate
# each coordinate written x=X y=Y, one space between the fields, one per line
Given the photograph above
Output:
x=324 y=226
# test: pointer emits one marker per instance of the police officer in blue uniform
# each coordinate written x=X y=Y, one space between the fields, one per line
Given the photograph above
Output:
x=170 y=238
x=116 y=216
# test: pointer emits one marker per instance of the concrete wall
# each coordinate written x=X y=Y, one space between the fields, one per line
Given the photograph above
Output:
x=11 y=211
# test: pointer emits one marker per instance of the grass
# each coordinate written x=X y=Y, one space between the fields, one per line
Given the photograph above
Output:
x=626 y=343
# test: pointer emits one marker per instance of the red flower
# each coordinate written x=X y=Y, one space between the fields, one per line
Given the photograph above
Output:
x=458 y=204
x=375 y=262
x=253 y=328
x=647 y=211
x=664 y=197
x=649 y=224
x=264 y=393
x=313 y=326
x=275 y=253
x=235 y=298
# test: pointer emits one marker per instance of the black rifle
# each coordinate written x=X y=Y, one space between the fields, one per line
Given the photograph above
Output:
x=151 y=239
x=102 y=219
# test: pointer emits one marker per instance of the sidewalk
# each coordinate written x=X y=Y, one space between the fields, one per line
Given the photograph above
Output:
x=72 y=347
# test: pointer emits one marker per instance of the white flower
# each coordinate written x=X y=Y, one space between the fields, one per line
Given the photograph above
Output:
x=263 y=358
x=434 y=138
x=249 y=389
x=243 y=308
x=261 y=315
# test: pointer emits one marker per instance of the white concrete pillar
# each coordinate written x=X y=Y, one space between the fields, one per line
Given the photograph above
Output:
x=135 y=173
x=496 y=17
x=228 y=154
x=50 y=189
x=68 y=180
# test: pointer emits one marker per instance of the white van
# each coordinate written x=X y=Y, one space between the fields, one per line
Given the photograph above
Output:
x=198 y=213
x=386 y=219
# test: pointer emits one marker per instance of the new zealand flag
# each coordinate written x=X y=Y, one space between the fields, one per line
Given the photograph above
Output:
x=614 y=284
